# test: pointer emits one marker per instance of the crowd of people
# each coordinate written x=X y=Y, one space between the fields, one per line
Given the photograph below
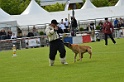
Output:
x=66 y=26
x=118 y=22
x=6 y=35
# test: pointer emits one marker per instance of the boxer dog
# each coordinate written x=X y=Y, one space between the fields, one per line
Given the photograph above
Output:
x=79 y=49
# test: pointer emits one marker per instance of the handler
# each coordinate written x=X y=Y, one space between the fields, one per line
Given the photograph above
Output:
x=56 y=43
x=108 y=29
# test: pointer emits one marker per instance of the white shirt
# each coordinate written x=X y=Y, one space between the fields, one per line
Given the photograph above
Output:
x=52 y=35
x=62 y=26
x=66 y=23
x=13 y=36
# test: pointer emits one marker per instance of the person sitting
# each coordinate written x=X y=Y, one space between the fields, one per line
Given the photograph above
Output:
x=13 y=36
x=9 y=34
x=30 y=34
x=35 y=32
x=2 y=34
x=62 y=26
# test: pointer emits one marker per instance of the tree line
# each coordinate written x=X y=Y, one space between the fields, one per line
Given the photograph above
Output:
x=16 y=7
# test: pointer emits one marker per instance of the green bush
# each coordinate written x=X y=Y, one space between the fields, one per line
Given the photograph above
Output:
x=98 y=27
x=81 y=29
x=41 y=33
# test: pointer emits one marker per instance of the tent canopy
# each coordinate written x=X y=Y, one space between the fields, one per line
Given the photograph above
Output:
x=120 y=3
x=5 y=19
x=87 y=5
x=33 y=15
x=34 y=8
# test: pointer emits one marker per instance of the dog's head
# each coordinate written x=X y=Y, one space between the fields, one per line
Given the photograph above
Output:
x=67 y=44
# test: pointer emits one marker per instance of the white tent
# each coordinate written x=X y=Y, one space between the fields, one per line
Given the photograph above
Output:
x=24 y=20
x=33 y=8
x=6 y=20
x=33 y=15
x=39 y=16
x=91 y=13
x=87 y=5
x=120 y=3
x=61 y=15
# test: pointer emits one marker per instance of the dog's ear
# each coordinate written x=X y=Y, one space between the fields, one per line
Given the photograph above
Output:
x=67 y=44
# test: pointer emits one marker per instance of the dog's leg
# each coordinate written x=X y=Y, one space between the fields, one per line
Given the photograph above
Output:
x=75 y=57
x=80 y=56
x=90 y=52
x=90 y=55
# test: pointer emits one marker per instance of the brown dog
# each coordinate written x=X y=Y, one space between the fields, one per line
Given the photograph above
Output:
x=79 y=49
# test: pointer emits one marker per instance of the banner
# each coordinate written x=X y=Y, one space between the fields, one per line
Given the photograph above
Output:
x=33 y=42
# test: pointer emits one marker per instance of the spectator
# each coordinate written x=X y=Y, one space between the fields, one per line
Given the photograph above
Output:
x=19 y=32
x=62 y=26
x=35 y=32
x=66 y=23
x=9 y=34
x=92 y=28
x=116 y=22
x=101 y=25
x=30 y=34
x=121 y=22
x=13 y=36
x=73 y=26
x=3 y=34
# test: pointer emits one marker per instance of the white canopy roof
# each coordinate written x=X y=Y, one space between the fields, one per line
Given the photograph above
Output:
x=85 y=14
x=4 y=16
x=34 y=8
x=24 y=20
x=120 y=3
x=33 y=15
x=87 y=5
x=6 y=19
x=36 y=15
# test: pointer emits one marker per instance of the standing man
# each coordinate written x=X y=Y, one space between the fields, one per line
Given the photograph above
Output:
x=56 y=43
x=108 y=29
x=92 y=28
x=66 y=23
x=73 y=26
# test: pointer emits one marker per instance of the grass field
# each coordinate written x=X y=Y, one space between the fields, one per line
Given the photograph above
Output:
x=31 y=65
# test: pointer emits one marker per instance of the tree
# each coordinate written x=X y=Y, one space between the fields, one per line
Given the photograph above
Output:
x=78 y=5
x=55 y=7
x=100 y=3
x=113 y=2
x=15 y=7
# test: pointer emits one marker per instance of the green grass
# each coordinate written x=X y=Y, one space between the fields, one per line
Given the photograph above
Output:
x=31 y=65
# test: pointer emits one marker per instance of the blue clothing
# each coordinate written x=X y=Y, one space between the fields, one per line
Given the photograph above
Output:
x=116 y=22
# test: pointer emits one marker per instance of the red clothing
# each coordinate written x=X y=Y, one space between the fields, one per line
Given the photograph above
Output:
x=108 y=28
